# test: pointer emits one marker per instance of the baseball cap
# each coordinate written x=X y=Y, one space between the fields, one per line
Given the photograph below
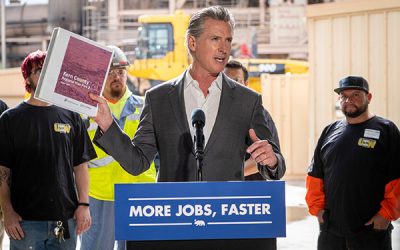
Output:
x=352 y=82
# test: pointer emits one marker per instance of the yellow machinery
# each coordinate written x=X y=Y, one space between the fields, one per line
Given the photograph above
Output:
x=256 y=67
x=161 y=54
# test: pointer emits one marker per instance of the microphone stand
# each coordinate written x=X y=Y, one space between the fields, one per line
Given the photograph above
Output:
x=199 y=160
x=198 y=121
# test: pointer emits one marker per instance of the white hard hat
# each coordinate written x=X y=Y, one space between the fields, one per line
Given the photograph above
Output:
x=119 y=58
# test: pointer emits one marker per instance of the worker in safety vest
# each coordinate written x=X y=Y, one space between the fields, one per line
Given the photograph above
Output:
x=104 y=171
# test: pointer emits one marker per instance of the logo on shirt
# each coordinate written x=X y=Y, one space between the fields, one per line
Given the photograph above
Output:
x=62 y=128
x=366 y=143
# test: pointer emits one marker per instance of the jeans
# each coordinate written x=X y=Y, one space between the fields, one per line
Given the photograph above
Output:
x=101 y=235
x=40 y=235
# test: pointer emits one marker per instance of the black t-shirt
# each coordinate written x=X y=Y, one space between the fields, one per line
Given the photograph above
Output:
x=41 y=146
x=3 y=107
x=356 y=161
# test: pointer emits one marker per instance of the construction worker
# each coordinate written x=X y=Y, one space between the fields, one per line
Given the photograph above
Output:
x=104 y=171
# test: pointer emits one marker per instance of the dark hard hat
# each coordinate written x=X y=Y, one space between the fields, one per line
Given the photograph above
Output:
x=352 y=82
x=119 y=59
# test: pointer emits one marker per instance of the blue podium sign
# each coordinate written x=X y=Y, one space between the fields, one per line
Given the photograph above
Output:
x=200 y=210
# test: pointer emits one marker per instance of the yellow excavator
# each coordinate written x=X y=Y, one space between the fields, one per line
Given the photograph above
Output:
x=161 y=54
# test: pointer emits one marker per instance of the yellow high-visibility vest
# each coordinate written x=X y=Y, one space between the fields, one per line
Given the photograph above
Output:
x=104 y=171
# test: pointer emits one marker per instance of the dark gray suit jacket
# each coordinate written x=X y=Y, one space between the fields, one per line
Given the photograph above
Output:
x=164 y=129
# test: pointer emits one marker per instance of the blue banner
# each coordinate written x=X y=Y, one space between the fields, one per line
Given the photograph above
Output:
x=200 y=210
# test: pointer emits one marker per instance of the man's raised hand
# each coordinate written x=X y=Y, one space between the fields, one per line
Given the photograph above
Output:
x=261 y=151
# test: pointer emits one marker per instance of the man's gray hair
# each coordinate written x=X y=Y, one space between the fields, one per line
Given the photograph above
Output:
x=196 y=22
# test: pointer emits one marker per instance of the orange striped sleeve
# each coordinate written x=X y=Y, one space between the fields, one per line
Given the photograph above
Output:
x=390 y=206
x=315 y=196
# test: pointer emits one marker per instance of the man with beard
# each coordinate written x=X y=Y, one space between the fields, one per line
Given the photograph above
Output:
x=353 y=182
x=104 y=171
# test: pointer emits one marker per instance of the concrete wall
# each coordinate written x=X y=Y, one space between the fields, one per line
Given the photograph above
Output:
x=12 y=89
x=357 y=37
x=286 y=97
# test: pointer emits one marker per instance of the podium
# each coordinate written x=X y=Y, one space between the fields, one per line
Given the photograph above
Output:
x=195 y=215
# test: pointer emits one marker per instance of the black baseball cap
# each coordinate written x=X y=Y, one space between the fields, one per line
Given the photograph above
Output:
x=352 y=82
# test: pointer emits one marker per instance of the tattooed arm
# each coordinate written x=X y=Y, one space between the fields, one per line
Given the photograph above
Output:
x=11 y=218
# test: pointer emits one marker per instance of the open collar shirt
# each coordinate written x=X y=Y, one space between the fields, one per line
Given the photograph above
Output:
x=195 y=99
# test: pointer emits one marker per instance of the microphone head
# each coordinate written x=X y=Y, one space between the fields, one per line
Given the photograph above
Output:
x=198 y=117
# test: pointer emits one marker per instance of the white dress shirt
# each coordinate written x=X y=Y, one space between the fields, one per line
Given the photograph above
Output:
x=195 y=99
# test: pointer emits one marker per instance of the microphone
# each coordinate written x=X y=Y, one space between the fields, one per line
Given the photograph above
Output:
x=198 y=122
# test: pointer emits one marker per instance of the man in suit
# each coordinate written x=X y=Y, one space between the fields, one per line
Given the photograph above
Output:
x=235 y=123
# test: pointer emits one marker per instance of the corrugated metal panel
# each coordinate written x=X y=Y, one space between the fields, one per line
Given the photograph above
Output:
x=357 y=37
x=286 y=97
x=393 y=64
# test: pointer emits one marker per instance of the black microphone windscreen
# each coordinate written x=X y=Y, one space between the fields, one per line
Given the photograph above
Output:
x=198 y=117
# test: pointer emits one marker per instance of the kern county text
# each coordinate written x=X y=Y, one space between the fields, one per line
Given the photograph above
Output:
x=68 y=79
x=200 y=210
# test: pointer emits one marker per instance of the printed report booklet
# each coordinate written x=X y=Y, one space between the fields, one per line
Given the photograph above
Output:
x=74 y=66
